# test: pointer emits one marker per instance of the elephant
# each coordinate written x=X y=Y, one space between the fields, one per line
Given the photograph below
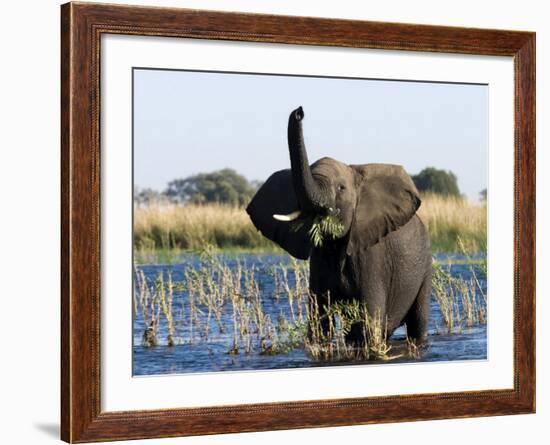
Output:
x=381 y=254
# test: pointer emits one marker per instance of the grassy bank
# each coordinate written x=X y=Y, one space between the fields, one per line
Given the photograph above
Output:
x=452 y=221
x=191 y=227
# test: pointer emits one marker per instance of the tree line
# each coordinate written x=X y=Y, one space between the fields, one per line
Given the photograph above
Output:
x=226 y=186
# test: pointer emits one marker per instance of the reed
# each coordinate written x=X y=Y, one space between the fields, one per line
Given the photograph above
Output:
x=329 y=329
x=146 y=300
x=165 y=294
x=462 y=302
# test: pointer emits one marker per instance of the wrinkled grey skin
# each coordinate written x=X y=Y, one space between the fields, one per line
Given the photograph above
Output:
x=383 y=258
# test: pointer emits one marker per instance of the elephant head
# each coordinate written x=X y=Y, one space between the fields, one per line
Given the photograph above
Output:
x=368 y=201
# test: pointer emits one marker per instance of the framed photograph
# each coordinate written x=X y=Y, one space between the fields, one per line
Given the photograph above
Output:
x=274 y=222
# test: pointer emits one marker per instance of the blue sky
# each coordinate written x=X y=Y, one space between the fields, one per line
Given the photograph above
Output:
x=192 y=122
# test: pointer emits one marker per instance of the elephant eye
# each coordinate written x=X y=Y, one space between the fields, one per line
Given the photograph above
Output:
x=341 y=187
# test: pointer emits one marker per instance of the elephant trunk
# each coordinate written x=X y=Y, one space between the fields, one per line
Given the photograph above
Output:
x=307 y=190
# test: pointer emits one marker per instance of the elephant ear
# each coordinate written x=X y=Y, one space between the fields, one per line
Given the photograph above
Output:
x=276 y=197
x=387 y=199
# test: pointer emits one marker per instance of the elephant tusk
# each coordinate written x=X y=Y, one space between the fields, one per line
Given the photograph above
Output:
x=290 y=217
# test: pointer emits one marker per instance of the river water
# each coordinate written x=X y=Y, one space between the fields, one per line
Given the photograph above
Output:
x=194 y=353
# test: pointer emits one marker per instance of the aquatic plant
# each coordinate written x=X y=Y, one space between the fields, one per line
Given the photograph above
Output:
x=330 y=326
x=462 y=302
x=146 y=300
x=166 y=296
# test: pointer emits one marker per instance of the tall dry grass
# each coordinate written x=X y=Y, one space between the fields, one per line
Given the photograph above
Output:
x=453 y=220
x=176 y=226
x=192 y=226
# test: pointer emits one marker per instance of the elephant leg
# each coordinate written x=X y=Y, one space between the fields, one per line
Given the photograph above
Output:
x=419 y=314
x=357 y=335
x=375 y=298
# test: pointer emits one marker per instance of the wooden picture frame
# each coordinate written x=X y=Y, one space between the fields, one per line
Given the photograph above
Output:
x=82 y=26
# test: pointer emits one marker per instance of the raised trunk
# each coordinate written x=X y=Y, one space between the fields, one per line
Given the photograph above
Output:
x=307 y=191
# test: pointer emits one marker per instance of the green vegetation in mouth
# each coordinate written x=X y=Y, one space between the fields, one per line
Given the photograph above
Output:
x=322 y=227
x=329 y=226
